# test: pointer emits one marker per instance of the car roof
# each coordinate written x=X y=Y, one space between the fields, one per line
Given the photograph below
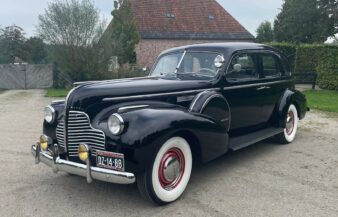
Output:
x=225 y=47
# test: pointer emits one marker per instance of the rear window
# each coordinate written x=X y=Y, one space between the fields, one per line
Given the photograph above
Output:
x=271 y=66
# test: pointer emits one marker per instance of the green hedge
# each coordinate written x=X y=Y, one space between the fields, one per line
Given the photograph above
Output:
x=327 y=68
x=289 y=50
x=319 y=58
x=307 y=57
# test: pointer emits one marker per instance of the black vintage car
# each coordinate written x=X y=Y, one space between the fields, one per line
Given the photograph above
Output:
x=197 y=103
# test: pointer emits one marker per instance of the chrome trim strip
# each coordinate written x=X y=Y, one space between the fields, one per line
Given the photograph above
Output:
x=209 y=99
x=57 y=101
x=255 y=85
x=195 y=100
x=157 y=94
x=123 y=109
x=57 y=164
x=108 y=81
x=66 y=116
x=222 y=97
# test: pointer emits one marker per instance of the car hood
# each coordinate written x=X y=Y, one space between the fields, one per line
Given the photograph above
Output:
x=95 y=92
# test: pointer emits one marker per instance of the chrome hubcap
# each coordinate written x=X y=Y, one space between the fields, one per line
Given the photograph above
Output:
x=290 y=123
x=171 y=169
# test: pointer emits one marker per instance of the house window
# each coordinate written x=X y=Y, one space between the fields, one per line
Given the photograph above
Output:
x=170 y=15
x=211 y=17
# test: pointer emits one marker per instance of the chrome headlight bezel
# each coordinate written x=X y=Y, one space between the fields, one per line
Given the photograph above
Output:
x=116 y=124
x=49 y=114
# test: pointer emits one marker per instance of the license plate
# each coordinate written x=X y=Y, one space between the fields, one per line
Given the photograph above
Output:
x=110 y=160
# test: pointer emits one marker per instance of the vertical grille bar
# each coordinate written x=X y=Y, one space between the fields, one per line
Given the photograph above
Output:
x=60 y=136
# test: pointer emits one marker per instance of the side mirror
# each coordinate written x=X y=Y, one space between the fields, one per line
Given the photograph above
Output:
x=237 y=67
x=219 y=61
x=144 y=69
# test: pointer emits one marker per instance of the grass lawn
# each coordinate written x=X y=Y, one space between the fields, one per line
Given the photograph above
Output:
x=324 y=100
x=57 y=92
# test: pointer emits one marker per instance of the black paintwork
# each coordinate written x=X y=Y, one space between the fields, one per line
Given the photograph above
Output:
x=209 y=115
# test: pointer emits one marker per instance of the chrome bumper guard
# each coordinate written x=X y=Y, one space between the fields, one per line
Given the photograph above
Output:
x=53 y=160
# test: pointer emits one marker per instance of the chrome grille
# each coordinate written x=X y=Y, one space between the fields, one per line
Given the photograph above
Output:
x=60 y=135
x=79 y=130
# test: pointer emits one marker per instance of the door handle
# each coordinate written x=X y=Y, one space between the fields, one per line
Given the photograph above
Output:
x=263 y=88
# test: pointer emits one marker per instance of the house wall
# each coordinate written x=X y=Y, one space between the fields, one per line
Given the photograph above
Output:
x=148 y=49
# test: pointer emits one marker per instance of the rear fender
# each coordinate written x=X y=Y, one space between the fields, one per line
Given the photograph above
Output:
x=290 y=97
x=214 y=105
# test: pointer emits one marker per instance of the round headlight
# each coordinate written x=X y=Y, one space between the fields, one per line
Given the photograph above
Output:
x=115 y=124
x=49 y=114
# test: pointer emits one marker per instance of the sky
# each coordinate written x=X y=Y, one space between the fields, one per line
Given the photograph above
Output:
x=24 y=13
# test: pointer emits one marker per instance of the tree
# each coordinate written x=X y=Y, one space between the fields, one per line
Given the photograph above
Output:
x=264 y=32
x=72 y=29
x=123 y=32
x=12 y=39
x=302 y=21
x=36 y=50
x=330 y=7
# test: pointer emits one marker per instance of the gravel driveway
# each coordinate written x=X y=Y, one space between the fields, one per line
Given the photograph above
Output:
x=266 y=179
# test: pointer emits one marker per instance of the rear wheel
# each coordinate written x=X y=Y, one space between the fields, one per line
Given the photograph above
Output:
x=290 y=130
x=166 y=181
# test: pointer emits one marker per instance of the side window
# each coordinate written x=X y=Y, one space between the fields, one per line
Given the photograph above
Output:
x=271 y=66
x=243 y=67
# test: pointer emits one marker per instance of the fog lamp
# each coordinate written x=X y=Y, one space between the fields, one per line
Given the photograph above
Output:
x=83 y=152
x=44 y=142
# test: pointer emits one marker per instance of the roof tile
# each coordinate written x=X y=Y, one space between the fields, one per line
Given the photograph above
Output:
x=191 y=20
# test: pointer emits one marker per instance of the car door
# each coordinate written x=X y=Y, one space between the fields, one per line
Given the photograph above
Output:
x=272 y=74
x=245 y=93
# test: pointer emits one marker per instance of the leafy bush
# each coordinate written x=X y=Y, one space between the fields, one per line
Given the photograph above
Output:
x=328 y=68
x=289 y=50
x=307 y=57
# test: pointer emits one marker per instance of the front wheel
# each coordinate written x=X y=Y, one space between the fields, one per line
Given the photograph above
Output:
x=290 y=130
x=166 y=181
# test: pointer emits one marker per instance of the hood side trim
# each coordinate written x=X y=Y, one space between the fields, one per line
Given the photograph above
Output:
x=157 y=95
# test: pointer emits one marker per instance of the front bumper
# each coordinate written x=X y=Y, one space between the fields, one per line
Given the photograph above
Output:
x=52 y=159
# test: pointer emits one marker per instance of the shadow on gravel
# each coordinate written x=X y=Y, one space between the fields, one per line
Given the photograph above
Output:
x=121 y=198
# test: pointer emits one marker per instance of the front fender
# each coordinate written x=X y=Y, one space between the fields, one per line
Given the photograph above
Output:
x=146 y=129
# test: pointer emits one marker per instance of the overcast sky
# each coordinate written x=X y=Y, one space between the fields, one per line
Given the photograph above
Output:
x=24 y=13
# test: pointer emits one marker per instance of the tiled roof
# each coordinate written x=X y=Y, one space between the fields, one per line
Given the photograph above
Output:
x=186 y=19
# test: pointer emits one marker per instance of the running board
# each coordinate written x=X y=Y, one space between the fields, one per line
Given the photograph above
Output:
x=240 y=142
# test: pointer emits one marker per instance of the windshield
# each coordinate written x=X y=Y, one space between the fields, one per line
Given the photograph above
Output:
x=193 y=65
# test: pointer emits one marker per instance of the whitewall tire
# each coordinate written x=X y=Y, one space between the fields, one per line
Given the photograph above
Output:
x=166 y=181
x=290 y=131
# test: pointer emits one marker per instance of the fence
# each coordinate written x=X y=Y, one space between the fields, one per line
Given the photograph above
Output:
x=26 y=76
